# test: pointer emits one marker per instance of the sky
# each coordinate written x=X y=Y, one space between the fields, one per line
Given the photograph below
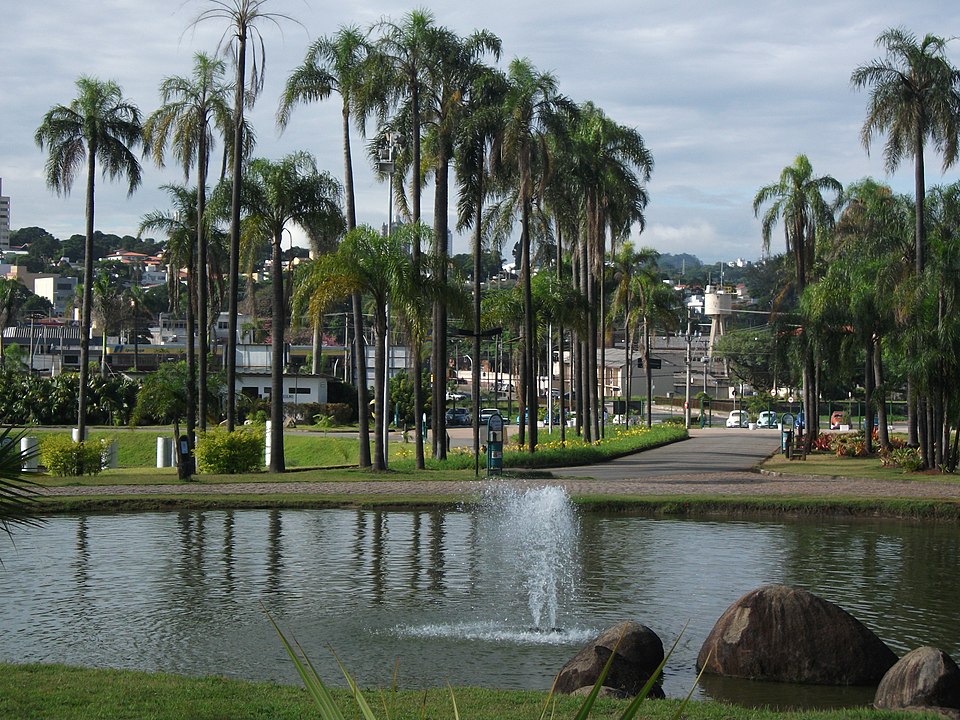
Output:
x=724 y=93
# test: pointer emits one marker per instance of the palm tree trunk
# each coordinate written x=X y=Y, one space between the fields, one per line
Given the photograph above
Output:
x=882 y=432
x=360 y=369
x=359 y=351
x=648 y=371
x=528 y=328
x=868 y=391
x=379 y=397
x=203 y=321
x=475 y=368
x=234 y=290
x=87 y=304
x=441 y=195
x=277 y=461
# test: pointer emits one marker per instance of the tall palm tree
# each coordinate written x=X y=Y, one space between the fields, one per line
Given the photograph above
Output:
x=797 y=199
x=532 y=107
x=484 y=120
x=340 y=63
x=242 y=17
x=457 y=63
x=180 y=226
x=611 y=165
x=629 y=265
x=191 y=109
x=101 y=127
x=275 y=194
x=380 y=268
x=914 y=98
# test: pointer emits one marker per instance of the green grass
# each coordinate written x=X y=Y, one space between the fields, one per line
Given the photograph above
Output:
x=827 y=464
x=58 y=692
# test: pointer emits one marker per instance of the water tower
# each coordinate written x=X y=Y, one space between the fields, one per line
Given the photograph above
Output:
x=717 y=305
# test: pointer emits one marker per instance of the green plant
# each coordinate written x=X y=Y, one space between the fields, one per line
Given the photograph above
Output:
x=222 y=452
x=65 y=458
x=329 y=710
x=17 y=496
x=908 y=458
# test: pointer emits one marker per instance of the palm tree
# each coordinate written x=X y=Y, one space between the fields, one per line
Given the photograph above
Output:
x=180 y=226
x=380 y=268
x=291 y=190
x=191 y=109
x=611 y=165
x=797 y=199
x=106 y=306
x=532 y=108
x=242 y=17
x=475 y=137
x=99 y=126
x=630 y=269
x=914 y=98
x=341 y=64
x=457 y=64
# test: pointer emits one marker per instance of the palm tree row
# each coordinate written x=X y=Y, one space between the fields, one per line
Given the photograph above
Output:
x=877 y=269
x=521 y=153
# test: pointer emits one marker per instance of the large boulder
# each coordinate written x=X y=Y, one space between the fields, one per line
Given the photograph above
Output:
x=638 y=655
x=926 y=677
x=789 y=635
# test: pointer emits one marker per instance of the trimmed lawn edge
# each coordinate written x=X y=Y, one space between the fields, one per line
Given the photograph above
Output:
x=659 y=506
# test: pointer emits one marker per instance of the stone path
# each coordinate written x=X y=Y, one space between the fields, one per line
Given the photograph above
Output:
x=712 y=462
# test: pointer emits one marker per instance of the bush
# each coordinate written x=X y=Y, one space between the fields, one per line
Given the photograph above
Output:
x=226 y=453
x=908 y=458
x=65 y=458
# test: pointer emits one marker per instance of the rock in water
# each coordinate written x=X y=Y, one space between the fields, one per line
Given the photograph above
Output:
x=926 y=677
x=789 y=635
x=638 y=655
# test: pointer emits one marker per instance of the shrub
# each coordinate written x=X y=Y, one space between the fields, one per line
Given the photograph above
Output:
x=227 y=453
x=908 y=458
x=65 y=458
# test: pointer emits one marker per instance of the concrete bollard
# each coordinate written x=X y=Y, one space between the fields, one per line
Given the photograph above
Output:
x=75 y=434
x=267 y=448
x=30 y=446
x=164 y=452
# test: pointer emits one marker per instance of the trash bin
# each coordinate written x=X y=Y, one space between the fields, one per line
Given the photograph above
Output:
x=786 y=440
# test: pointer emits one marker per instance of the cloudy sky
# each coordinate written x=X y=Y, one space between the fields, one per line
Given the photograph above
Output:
x=725 y=93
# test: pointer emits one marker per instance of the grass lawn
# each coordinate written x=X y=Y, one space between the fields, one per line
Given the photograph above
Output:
x=829 y=465
x=57 y=692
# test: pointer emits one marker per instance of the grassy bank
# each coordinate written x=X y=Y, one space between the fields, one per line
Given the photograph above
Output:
x=57 y=692
x=827 y=464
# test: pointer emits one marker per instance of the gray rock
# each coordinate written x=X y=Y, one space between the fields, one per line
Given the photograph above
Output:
x=925 y=677
x=789 y=635
x=638 y=655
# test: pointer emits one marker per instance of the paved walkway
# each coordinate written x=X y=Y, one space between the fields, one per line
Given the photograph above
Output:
x=712 y=462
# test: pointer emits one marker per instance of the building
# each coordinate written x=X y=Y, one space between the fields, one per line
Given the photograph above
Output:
x=4 y=220
x=58 y=290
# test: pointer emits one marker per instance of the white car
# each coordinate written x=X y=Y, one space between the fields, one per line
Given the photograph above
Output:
x=738 y=418
x=767 y=419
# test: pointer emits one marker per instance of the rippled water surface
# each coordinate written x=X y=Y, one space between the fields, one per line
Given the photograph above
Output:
x=450 y=595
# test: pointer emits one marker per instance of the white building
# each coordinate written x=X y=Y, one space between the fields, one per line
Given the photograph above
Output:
x=58 y=290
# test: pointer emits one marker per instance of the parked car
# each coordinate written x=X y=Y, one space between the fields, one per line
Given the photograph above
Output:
x=838 y=418
x=485 y=414
x=738 y=418
x=458 y=417
x=767 y=419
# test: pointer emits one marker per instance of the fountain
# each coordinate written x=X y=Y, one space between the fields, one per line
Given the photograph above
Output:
x=536 y=530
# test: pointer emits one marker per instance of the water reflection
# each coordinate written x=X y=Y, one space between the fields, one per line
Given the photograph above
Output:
x=442 y=591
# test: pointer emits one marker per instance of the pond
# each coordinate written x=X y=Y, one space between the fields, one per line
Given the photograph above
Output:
x=499 y=595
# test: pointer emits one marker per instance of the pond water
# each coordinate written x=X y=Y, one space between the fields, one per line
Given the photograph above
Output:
x=499 y=596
